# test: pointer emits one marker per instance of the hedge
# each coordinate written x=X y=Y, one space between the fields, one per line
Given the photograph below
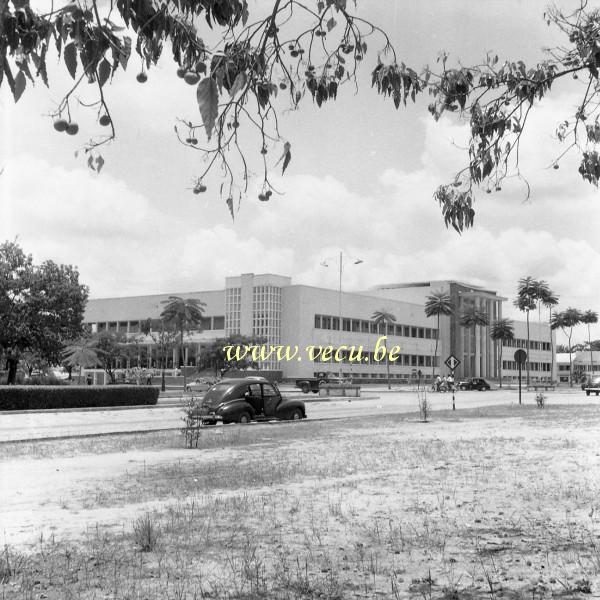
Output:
x=25 y=397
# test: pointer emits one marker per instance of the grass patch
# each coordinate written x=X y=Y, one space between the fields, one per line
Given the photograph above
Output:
x=482 y=503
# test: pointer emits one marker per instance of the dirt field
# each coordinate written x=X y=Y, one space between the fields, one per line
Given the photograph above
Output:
x=485 y=503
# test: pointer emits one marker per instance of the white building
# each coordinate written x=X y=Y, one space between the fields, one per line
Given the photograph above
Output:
x=273 y=308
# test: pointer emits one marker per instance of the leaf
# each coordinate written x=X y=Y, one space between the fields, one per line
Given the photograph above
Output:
x=125 y=52
x=208 y=103
x=286 y=161
x=104 y=70
x=90 y=163
x=20 y=83
x=230 y=205
x=99 y=163
x=70 y=56
x=331 y=24
x=239 y=84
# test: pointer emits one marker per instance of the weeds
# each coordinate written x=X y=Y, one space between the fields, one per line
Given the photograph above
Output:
x=146 y=533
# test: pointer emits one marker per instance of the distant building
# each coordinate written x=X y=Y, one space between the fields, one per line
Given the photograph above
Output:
x=273 y=308
x=584 y=365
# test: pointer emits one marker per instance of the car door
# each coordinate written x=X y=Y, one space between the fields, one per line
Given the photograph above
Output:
x=271 y=398
x=253 y=396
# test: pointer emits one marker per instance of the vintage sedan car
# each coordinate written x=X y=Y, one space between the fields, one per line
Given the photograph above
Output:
x=244 y=400
x=593 y=386
x=474 y=383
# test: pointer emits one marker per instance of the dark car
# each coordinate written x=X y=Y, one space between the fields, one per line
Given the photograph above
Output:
x=247 y=399
x=592 y=386
x=474 y=383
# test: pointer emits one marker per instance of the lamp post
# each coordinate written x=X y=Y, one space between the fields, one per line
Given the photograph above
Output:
x=356 y=261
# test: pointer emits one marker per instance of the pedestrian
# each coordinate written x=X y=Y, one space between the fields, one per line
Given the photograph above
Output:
x=450 y=381
x=438 y=383
x=149 y=377
x=444 y=385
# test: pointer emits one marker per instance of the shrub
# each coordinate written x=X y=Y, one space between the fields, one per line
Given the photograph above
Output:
x=146 y=533
x=50 y=397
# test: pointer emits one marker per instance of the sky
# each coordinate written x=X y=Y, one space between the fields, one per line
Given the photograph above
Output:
x=361 y=181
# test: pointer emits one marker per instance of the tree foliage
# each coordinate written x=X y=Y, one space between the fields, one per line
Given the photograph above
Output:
x=214 y=356
x=41 y=306
x=438 y=303
x=248 y=68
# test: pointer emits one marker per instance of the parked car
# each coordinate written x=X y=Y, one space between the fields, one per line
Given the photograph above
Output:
x=201 y=384
x=247 y=399
x=313 y=384
x=593 y=386
x=474 y=383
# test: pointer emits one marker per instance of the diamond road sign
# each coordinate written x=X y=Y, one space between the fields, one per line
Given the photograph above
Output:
x=452 y=362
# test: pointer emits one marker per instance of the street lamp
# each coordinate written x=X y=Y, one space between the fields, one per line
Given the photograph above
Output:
x=356 y=261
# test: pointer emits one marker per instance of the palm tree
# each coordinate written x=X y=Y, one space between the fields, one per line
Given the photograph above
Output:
x=567 y=319
x=81 y=353
x=437 y=304
x=472 y=317
x=501 y=331
x=550 y=299
x=588 y=318
x=385 y=318
x=185 y=314
x=527 y=295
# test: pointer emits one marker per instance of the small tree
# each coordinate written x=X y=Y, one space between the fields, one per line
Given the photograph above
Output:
x=164 y=339
x=81 y=353
x=527 y=296
x=385 y=318
x=589 y=317
x=436 y=305
x=109 y=346
x=567 y=320
x=501 y=331
x=549 y=299
x=184 y=314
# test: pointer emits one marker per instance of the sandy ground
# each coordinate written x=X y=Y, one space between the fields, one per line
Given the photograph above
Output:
x=507 y=498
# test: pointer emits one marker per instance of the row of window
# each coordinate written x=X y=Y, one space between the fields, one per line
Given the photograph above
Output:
x=364 y=326
x=407 y=360
x=533 y=344
x=206 y=324
x=511 y=365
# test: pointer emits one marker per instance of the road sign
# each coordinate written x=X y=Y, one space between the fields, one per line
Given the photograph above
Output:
x=520 y=356
x=452 y=362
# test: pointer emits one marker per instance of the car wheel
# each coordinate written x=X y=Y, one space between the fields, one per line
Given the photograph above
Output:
x=315 y=391
x=322 y=383
x=587 y=393
x=296 y=415
x=305 y=388
x=188 y=388
x=244 y=418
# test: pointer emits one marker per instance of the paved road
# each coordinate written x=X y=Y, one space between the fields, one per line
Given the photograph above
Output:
x=168 y=413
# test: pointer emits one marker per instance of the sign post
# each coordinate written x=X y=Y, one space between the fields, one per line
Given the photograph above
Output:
x=520 y=358
x=452 y=362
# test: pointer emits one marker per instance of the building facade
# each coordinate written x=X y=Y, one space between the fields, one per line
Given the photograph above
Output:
x=310 y=320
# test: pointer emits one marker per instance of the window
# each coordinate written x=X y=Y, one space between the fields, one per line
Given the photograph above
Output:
x=406 y=331
x=355 y=325
x=335 y=323
x=346 y=324
x=421 y=332
x=317 y=321
x=364 y=326
x=219 y=322
x=427 y=333
x=413 y=332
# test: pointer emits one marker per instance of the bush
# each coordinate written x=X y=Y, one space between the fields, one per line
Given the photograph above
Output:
x=146 y=533
x=40 y=397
